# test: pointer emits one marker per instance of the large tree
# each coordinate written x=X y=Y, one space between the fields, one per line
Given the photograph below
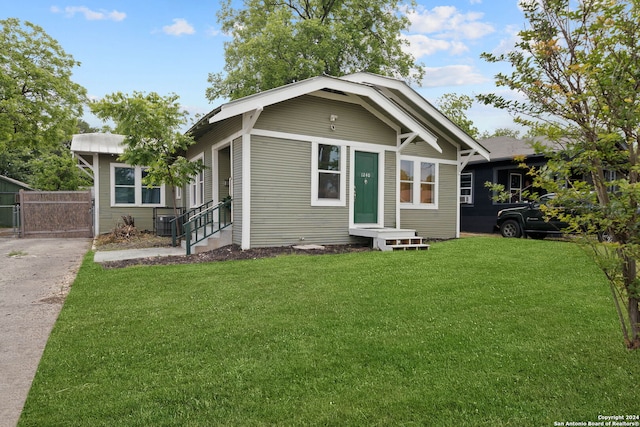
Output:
x=39 y=103
x=275 y=42
x=455 y=107
x=578 y=65
x=152 y=126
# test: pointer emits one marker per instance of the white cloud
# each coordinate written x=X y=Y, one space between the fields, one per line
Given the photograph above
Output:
x=452 y=75
x=91 y=15
x=448 y=22
x=180 y=26
x=421 y=45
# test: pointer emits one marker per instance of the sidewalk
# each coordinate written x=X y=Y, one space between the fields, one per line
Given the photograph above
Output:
x=119 y=255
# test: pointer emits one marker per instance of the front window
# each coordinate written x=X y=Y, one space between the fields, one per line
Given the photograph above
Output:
x=418 y=183
x=328 y=177
x=128 y=187
x=196 y=188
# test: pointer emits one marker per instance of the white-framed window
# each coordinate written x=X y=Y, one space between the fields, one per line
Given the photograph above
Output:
x=328 y=176
x=466 y=188
x=418 y=183
x=515 y=187
x=127 y=188
x=196 y=187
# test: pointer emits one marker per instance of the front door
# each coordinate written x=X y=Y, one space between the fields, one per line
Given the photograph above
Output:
x=365 y=181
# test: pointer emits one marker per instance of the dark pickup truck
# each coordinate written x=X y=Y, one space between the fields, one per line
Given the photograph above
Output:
x=529 y=221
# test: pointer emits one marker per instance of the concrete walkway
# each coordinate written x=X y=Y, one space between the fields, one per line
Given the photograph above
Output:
x=106 y=256
x=35 y=276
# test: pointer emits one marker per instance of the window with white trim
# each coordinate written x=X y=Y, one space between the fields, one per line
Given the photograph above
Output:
x=328 y=178
x=466 y=187
x=128 y=189
x=418 y=183
x=196 y=187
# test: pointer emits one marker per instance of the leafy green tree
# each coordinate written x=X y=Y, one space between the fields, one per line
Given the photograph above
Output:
x=151 y=124
x=513 y=133
x=455 y=107
x=277 y=42
x=578 y=64
x=57 y=170
x=39 y=103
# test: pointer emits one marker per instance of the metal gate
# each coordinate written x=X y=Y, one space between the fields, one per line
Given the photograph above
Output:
x=56 y=214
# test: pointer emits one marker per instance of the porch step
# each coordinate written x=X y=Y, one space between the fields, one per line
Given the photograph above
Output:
x=215 y=241
x=392 y=239
x=402 y=244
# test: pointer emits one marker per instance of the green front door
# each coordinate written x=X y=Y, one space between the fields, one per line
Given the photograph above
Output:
x=365 y=180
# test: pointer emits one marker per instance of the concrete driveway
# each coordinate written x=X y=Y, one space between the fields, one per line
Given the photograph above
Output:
x=35 y=276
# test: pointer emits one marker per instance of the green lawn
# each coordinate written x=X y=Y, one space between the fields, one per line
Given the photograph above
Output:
x=477 y=331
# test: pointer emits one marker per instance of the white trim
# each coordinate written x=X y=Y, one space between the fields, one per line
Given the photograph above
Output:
x=284 y=93
x=365 y=146
x=416 y=183
x=96 y=194
x=315 y=200
x=401 y=86
x=137 y=188
x=246 y=191
x=352 y=188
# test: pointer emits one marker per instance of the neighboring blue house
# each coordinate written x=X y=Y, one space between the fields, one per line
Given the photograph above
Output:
x=478 y=211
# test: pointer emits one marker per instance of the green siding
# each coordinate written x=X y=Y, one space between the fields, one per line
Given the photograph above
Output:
x=309 y=115
x=237 y=192
x=422 y=149
x=110 y=217
x=281 y=211
x=436 y=223
x=390 y=189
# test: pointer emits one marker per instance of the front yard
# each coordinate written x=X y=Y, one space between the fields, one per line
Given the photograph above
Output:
x=477 y=331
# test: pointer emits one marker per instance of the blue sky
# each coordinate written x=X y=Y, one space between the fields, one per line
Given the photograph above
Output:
x=170 y=46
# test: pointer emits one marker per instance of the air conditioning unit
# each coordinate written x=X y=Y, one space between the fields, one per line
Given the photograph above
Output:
x=466 y=198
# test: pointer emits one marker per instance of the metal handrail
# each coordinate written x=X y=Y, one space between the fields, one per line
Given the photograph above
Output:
x=177 y=223
x=203 y=224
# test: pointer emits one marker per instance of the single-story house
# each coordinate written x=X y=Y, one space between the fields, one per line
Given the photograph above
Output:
x=478 y=209
x=9 y=188
x=321 y=161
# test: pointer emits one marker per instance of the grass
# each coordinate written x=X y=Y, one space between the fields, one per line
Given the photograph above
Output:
x=477 y=331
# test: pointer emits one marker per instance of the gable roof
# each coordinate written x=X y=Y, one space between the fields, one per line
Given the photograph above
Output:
x=507 y=147
x=101 y=143
x=393 y=97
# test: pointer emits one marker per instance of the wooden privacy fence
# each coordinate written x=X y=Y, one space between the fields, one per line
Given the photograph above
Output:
x=56 y=214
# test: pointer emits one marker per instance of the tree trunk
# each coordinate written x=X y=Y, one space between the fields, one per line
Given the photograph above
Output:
x=634 y=319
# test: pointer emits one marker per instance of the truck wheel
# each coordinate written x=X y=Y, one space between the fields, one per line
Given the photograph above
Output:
x=510 y=228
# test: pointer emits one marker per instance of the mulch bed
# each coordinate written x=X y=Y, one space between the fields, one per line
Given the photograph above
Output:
x=234 y=252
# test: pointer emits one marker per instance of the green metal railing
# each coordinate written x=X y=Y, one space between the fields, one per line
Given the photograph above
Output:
x=199 y=223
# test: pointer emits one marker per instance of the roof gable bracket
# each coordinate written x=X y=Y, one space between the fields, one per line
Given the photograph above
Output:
x=465 y=156
x=85 y=166
x=250 y=118
x=408 y=137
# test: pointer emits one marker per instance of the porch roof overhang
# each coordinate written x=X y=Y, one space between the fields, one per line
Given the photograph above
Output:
x=97 y=143
x=370 y=92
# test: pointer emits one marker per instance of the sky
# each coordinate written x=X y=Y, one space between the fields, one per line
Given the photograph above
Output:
x=171 y=46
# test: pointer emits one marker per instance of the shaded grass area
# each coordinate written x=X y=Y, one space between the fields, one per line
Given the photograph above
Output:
x=478 y=331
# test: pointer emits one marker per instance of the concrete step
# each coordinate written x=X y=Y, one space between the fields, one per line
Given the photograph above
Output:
x=215 y=241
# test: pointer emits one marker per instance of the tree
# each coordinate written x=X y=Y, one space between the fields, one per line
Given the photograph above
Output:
x=39 y=103
x=151 y=124
x=513 y=133
x=578 y=64
x=455 y=107
x=277 y=42
x=57 y=170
